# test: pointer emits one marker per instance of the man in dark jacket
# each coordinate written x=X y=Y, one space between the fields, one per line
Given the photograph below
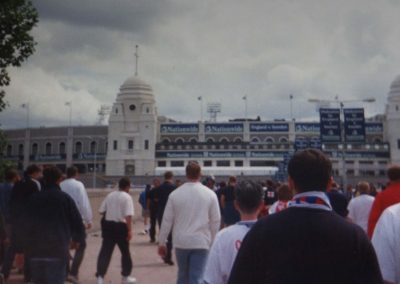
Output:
x=53 y=221
x=306 y=243
x=161 y=195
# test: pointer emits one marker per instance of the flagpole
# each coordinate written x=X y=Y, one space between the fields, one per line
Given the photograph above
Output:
x=201 y=108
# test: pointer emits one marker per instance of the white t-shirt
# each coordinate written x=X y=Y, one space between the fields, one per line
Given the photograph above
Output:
x=76 y=190
x=117 y=205
x=223 y=252
x=359 y=209
x=386 y=241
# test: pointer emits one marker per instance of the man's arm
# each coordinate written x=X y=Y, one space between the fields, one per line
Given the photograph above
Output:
x=87 y=214
x=215 y=217
x=128 y=220
x=374 y=215
x=166 y=226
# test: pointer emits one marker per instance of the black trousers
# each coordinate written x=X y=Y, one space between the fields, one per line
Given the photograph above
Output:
x=73 y=269
x=153 y=224
x=107 y=248
x=169 y=242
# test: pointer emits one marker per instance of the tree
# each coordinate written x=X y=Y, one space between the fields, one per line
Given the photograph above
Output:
x=17 y=18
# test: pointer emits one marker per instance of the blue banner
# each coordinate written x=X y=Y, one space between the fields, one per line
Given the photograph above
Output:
x=307 y=127
x=223 y=127
x=269 y=127
x=179 y=128
x=354 y=125
x=330 y=124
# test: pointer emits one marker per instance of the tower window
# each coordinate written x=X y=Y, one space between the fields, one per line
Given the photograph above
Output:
x=130 y=145
x=115 y=144
x=132 y=107
x=116 y=110
x=146 y=144
x=397 y=108
x=398 y=144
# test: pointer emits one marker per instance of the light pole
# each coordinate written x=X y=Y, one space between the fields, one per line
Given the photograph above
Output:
x=69 y=104
x=342 y=132
x=201 y=108
x=26 y=106
x=245 y=106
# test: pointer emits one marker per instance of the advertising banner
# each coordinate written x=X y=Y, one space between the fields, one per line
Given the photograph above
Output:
x=330 y=125
x=179 y=128
x=223 y=127
x=269 y=127
x=354 y=125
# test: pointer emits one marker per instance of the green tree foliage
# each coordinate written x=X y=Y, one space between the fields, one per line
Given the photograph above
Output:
x=17 y=18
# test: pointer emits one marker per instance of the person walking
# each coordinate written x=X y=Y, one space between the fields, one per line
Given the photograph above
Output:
x=161 y=195
x=117 y=209
x=193 y=215
x=249 y=201
x=152 y=205
x=76 y=190
x=229 y=212
x=53 y=224
x=307 y=242
x=386 y=198
x=360 y=207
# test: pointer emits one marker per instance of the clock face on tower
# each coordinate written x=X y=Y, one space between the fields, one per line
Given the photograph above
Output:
x=132 y=107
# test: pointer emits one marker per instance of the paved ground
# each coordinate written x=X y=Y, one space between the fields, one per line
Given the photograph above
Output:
x=148 y=268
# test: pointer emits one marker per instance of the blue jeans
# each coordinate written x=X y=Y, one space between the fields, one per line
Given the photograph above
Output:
x=48 y=270
x=191 y=264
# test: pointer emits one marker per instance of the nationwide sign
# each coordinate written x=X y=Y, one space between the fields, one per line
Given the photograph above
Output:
x=330 y=124
x=223 y=127
x=374 y=127
x=354 y=125
x=307 y=127
x=179 y=128
x=269 y=127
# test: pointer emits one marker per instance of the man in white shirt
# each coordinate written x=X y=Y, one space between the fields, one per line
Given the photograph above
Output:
x=76 y=190
x=386 y=242
x=116 y=229
x=192 y=213
x=359 y=207
x=249 y=200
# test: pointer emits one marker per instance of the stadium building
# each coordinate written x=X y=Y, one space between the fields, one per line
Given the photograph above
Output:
x=138 y=142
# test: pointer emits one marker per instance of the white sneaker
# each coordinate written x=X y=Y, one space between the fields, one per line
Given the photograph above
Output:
x=128 y=280
x=100 y=280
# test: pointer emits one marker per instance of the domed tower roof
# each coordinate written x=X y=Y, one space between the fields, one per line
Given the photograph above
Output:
x=395 y=88
x=133 y=86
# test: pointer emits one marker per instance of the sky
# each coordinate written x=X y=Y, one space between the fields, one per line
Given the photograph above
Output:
x=220 y=50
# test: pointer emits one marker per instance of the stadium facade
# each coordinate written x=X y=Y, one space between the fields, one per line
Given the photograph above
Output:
x=138 y=142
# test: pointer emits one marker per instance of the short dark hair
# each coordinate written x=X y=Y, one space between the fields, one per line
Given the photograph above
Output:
x=284 y=192
x=11 y=174
x=124 y=183
x=248 y=196
x=168 y=175
x=72 y=171
x=193 y=170
x=310 y=170
x=393 y=173
x=31 y=169
x=51 y=175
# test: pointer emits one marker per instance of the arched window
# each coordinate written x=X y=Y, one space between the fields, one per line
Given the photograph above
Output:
x=224 y=140
x=269 y=140
x=238 y=140
x=48 y=148
x=61 y=148
x=78 y=147
x=210 y=140
x=34 y=149
x=179 y=140
x=283 y=140
x=93 y=146
x=255 y=140
x=193 y=140
x=21 y=149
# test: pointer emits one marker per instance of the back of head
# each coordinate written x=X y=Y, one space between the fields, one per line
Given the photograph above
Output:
x=393 y=173
x=124 y=183
x=11 y=175
x=363 y=187
x=168 y=175
x=72 y=172
x=193 y=170
x=249 y=196
x=32 y=169
x=284 y=192
x=232 y=180
x=310 y=170
x=52 y=175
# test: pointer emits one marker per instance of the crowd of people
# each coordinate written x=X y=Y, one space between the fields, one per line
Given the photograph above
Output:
x=307 y=230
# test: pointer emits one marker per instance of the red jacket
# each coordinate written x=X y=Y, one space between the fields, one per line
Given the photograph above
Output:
x=388 y=197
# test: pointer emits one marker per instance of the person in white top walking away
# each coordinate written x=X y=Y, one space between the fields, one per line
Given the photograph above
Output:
x=116 y=229
x=249 y=200
x=386 y=242
x=192 y=213
x=359 y=207
x=76 y=190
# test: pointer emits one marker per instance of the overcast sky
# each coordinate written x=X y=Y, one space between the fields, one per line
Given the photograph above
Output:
x=220 y=50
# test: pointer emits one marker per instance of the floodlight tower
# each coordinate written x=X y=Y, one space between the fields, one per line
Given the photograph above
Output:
x=213 y=109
